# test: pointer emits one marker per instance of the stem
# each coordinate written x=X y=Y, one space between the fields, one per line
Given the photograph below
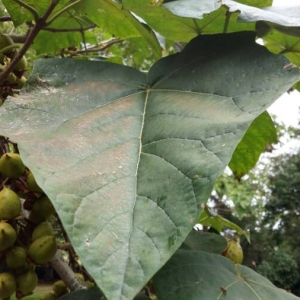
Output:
x=4 y=182
x=228 y=15
x=198 y=30
x=69 y=29
x=40 y=23
x=5 y=19
x=62 y=11
x=66 y=274
x=10 y=47
x=29 y=8
x=102 y=47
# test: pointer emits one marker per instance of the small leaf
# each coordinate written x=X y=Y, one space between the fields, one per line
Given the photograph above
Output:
x=209 y=219
x=233 y=226
x=297 y=86
x=260 y=133
x=198 y=275
x=21 y=15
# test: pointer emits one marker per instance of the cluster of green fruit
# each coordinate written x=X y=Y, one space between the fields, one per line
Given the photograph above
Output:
x=26 y=237
x=15 y=79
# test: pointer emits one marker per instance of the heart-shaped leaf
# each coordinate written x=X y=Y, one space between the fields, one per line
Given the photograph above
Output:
x=198 y=275
x=127 y=159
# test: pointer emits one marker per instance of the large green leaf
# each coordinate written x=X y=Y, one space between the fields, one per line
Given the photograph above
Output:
x=288 y=16
x=197 y=275
x=127 y=159
x=260 y=133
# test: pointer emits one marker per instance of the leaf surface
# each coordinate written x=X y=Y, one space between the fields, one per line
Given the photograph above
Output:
x=204 y=241
x=92 y=294
x=127 y=159
x=198 y=275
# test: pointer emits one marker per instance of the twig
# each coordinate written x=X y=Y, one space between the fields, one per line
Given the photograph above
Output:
x=40 y=23
x=5 y=19
x=69 y=29
x=64 y=246
x=103 y=46
x=70 y=250
x=66 y=273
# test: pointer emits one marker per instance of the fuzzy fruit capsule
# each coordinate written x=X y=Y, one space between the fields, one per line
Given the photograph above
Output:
x=16 y=257
x=10 y=204
x=7 y=285
x=234 y=251
x=7 y=236
x=42 y=249
x=43 y=207
x=27 y=282
x=32 y=185
x=59 y=288
x=11 y=165
x=44 y=228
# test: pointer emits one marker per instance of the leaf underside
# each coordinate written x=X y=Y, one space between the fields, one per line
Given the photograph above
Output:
x=127 y=159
